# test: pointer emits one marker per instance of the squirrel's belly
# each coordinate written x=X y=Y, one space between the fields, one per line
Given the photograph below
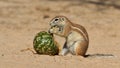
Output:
x=74 y=36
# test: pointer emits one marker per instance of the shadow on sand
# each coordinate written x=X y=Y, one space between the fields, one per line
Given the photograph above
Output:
x=99 y=55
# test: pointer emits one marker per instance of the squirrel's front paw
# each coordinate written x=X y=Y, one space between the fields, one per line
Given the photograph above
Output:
x=63 y=52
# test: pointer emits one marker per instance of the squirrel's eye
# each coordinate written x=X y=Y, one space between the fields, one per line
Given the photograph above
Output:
x=56 y=19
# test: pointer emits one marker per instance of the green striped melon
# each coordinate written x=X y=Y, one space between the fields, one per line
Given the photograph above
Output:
x=44 y=44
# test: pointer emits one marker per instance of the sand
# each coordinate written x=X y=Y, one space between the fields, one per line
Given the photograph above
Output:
x=20 y=20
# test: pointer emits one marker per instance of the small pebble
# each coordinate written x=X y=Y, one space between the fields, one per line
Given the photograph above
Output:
x=46 y=16
x=2 y=55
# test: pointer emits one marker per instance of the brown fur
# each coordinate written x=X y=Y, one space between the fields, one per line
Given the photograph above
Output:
x=81 y=50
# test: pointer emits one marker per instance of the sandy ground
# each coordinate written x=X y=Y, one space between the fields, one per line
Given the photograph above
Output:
x=20 y=20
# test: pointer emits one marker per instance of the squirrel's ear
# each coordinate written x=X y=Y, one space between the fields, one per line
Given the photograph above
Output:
x=63 y=19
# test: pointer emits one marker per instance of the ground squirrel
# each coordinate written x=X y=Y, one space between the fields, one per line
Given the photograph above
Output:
x=76 y=36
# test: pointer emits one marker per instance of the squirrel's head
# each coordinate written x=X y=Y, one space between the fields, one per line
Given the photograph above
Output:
x=59 y=25
x=59 y=21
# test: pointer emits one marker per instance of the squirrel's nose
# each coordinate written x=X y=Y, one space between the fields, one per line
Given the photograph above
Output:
x=52 y=24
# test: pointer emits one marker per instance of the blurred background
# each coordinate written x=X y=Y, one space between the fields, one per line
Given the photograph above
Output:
x=20 y=20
